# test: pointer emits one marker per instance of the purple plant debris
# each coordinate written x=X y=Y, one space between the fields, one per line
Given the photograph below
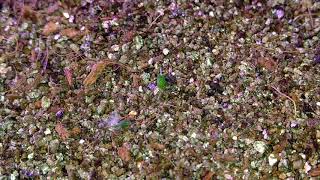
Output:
x=313 y=122
x=317 y=59
x=102 y=123
x=59 y=114
x=152 y=86
x=279 y=13
x=176 y=11
x=85 y=46
x=317 y=56
x=171 y=79
x=225 y=105
x=214 y=135
x=44 y=65
x=44 y=62
x=111 y=121
x=36 y=136
x=29 y=173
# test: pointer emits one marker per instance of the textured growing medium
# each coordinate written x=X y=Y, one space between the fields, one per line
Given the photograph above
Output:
x=155 y=89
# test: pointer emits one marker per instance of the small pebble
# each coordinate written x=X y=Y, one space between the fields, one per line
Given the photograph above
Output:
x=66 y=15
x=47 y=131
x=56 y=37
x=211 y=14
x=234 y=138
x=115 y=48
x=30 y=156
x=259 y=146
x=54 y=145
x=165 y=51
x=106 y=24
x=307 y=167
x=71 y=19
x=272 y=159
x=297 y=164
x=133 y=113
x=45 y=102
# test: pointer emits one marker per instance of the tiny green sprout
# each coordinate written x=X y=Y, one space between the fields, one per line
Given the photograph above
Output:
x=125 y=124
x=162 y=82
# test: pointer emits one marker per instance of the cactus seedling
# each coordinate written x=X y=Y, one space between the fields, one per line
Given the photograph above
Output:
x=162 y=82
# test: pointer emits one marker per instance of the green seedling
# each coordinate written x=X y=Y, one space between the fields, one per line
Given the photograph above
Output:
x=162 y=82
x=125 y=124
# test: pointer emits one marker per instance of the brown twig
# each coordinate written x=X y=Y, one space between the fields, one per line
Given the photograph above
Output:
x=307 y=14
x=16 y=48
x=310 y=16
x=293 y=102
x=154 y=21
x=274 y=50
x=108 y=61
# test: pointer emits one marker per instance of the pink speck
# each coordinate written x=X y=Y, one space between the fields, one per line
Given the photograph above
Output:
x=280 y=13
x=173 y=6
x=265 y=134
x=293 y=124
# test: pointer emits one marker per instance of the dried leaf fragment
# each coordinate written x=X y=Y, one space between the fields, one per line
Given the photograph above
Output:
x=62 y=131
x=267 y=63
x=33 y=56
x=280 y=146
x=70 y=32
x=314 y=172
x=50 y=28
x=157 y=146
x=68 y=74
x=124 y=153
x=29 y=14
x=208 y=176
x=37 y=104
x=224 y=157
x=135 y=80
x=96 y=71
x=75 y=131
x=305 y=4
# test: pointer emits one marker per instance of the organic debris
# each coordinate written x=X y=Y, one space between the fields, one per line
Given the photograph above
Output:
x=267 y=63
x=70 y=32
x=315 y=172
x=93 y=89
x=208 y=176
x=50 y=28
x=29 y=14
x=96 y=71
x=124 y=153
x=111 y=121
x=68 y=75
x=62 y=131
